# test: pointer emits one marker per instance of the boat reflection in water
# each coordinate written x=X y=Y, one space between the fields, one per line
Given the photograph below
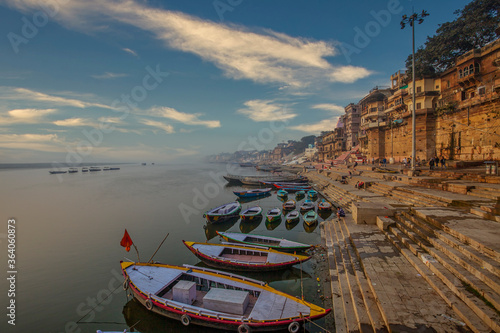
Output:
x=310 y=228
x=273 y=225
x=141 y=320
x=248 y=226
x=212 y=228
x=292 y=224
x=324 y=214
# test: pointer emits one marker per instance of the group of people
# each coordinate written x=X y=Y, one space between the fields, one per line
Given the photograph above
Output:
x=435 y=161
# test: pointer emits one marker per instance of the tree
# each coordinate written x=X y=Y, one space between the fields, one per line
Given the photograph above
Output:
x=472 y=29
x=301 y=146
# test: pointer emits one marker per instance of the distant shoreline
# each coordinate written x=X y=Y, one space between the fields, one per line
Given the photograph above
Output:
x=10 y=166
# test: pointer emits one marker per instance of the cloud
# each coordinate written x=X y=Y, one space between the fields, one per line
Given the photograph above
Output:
x=329 y=107
x=76 y=122
x=158 y=124
x=264 y=57
x=40 y=142
x=132 y=52
x=266 y=110
x=108 y=75
x=349 y=74
x=22 y=94
x=185 y=118
x=25 y=116
x=324 y=125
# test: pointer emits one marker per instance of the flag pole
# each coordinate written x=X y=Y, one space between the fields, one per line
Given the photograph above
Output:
x=158 y=247
x=136 y=250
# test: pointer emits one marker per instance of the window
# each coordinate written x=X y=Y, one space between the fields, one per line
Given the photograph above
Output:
x=476 y=68
x=437 y=87
x=419 y=89
x=464 y=96
x=459 y=73
x=447 y=84
x=471 y=69
x=472 y=94
x=419 y=106
x=466 y=71
x=481 y=90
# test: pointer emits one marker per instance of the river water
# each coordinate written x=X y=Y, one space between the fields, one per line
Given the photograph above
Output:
x=68 y=229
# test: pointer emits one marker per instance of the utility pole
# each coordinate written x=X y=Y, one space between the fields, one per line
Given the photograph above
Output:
x=411 y=21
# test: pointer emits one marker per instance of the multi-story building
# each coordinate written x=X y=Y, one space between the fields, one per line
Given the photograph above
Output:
x=325 y=146
x=339 y=138
x=372 y=114
x=468 y=110
x=352 y=122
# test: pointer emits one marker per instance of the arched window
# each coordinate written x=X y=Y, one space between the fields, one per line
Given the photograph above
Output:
x=471 y=69
x=476 y=68
x=460 y=73
x=466 y=71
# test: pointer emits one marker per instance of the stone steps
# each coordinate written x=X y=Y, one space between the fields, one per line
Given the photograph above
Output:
x=402 y=296
x=485 y=213
x=460 y=309
x=466 y=270
x=484 y=192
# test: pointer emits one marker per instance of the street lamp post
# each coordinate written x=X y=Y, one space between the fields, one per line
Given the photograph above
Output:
x=411 y=21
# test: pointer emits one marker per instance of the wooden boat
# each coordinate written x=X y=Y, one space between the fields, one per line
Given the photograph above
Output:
x=273 y=215
x=310 y=217
x=211 y=298
x=300 y=194
x=72 y=170
x=223 y=212
x=94 y=168
x=312 y=193
x=250 y=199
x=55 y=172
x=85 y=169
x=272 y=242
x=106 y=168
x=282 y=193
x=289 y=205
x=243 y=257
x=293 y=216
x=324 y=206
x=298 y=187
x=307 y=206
x=251 y=213
x=115 y=168
x=258 y=179
x=253 y=193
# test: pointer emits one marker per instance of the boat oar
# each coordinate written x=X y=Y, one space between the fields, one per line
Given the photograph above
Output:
x=158 y=247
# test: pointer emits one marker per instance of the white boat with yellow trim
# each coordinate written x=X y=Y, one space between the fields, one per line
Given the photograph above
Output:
x=211 y=298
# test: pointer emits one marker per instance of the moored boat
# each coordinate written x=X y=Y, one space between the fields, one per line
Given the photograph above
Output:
x=94 y=168
x=282 y=193
x=85 y=169
x=251 y=213
x=253 y=193
x=55 y=172
x=272 y=242
x=312 y=193
x=115 y=168
x=293 y=216
x=300 y=194
x=324 y=206
x=243 y=257
x=217 y=299
x=307 y=206
x=289 y=205
x=106 y=168
x=72 y=170
x=224 y=212
x=310 y=217
x=273 y=215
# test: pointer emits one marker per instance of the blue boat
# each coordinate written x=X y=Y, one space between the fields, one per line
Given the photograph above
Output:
x=253 y=193
x=310 y=217
x=312 y=193
x=251 y=213
x=282 y=193
x=300 y=194
x=273 y=215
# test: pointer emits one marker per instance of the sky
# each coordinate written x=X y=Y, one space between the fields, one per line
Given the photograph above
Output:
x=161 y=81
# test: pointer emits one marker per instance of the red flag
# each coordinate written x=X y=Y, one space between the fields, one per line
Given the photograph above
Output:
x=126 y=241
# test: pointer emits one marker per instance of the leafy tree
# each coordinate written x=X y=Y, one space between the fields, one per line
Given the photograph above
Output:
x=473 y=28
x=301 y=146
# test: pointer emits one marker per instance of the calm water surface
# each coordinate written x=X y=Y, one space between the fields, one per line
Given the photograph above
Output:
x=68 y=232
